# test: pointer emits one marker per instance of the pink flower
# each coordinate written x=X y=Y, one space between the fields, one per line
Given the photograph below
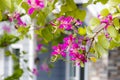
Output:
x=69 y=40
x=16 y=17
x=39 y=46
x=6 y=28
x=45 y=67
x=107 y=20
x=65 y=22
x=35 y=71
x=35 y=4
x=59 y=50
x=77 y=57
x=19 y=21
x=31 y=10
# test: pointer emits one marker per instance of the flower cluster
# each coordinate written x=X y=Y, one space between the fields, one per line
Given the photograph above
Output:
x=34 y=5
x=16 y=18
x=59 y=50
x=74 y=46
x=66 y=22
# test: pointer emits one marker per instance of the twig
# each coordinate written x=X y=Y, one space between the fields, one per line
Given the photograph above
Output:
x=92 y=40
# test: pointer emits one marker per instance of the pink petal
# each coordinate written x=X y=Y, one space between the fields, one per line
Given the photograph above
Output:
x=31 y=10
x=6 y=28
x=41 y=4
x=29 y=2
x=37 y=2
x=35 y=71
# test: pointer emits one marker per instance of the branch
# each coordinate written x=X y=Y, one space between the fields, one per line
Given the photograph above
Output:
x=97 y=30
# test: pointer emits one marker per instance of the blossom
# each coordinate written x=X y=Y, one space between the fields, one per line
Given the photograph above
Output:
x=16 y=17
x=39 y=46
x=77 y=57
x=107 y=20
x=6 y=28
x=69 y=40
x=59 y=50
x=19 y=21
x=74 y=46
x=45 y=67
x=65 y=22
x=35 y=71
x=35 y=4
x=74 y=49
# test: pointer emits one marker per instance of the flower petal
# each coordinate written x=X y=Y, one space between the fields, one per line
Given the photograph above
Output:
x=31 y=10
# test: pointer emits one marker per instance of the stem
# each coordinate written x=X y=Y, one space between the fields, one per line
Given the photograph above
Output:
x=92 y=40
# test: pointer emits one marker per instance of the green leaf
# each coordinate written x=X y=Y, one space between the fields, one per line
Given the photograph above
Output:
x=88 y=3
x=7 y=53
x=43 y=50
x=77 y=13
x=25 y=6
x=46 y=34
x=58 y=38
x=116 y=15
x=5 y=4
x=14 y=57
x=23 y=32
x=68 y=6
x=8 y=3
x=16 y=75
x=99 y=50
x=82 y=31
x=94 y=22
x=103 y=41
x=81 y=64
x=117 y=39
x=118 y=8
x=41 y=18
x=54 y=2
x=0 y=15
x=102 y=1
x=51 y=65
x=114 y=2
x=33 y=15
x=7 y=39
x=116 y=23
x=114 y=44
x=112 y=31
x=89 y=31
x=104 y=12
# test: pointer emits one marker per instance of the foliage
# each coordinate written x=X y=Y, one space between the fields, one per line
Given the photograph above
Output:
x=7 y=39
x=62 y=27
x=17 y=70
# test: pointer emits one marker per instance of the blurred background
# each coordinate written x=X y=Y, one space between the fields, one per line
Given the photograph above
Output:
x=106 y=68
